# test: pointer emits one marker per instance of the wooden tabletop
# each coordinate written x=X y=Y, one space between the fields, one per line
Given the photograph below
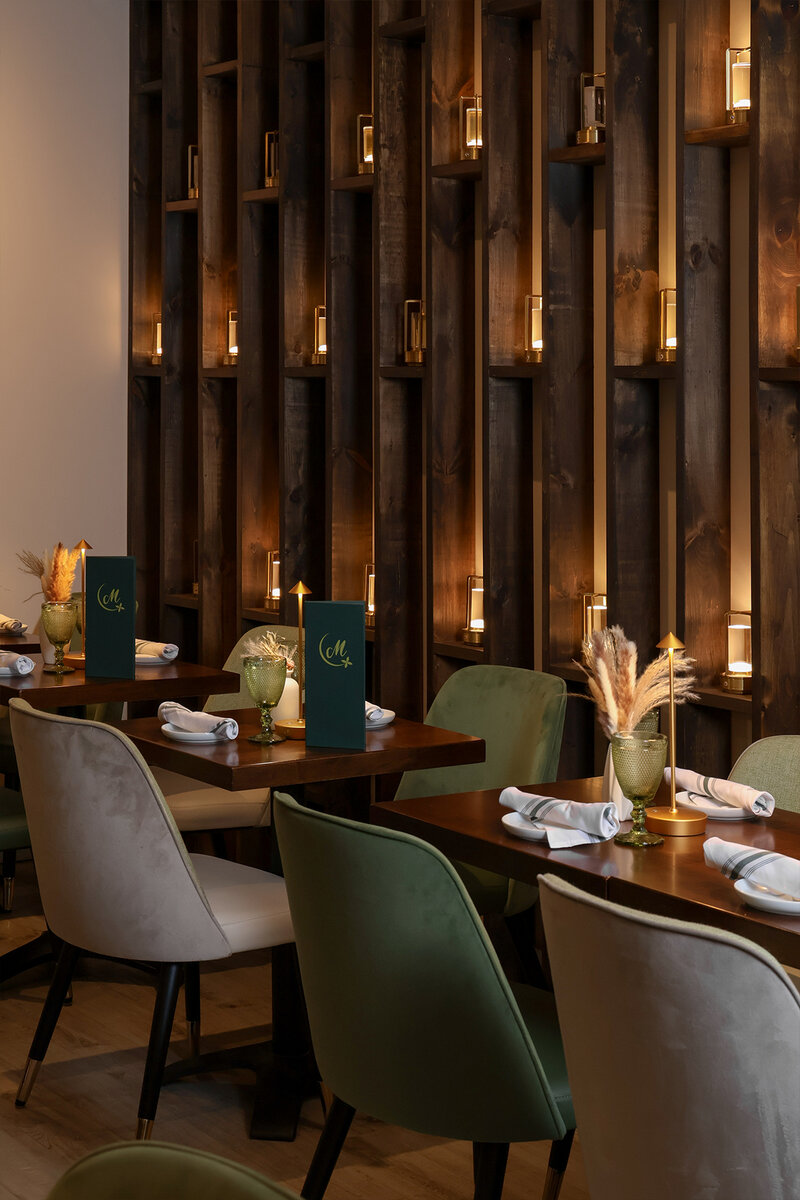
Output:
x=172 y=681
x=20 y=643
x=240 y=764
x=671 y=879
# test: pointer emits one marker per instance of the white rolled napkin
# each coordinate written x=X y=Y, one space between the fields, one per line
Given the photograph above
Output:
x=197 y=722
x=372 y=712
x=12 y=625
x=565 y=822
x=776 y=871
x=15 y=664
x=163 y=650
x=722 y=793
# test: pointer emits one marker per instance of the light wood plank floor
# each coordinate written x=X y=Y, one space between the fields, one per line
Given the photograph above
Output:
x=87 y=1091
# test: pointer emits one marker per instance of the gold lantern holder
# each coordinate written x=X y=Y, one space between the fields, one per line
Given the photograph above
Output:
x=78 y=659
x=737 y=84
x=671 y=820
x=192 y=173
x=156 y=347
x=595 y=613
x=272 y=597
x=271 y=170
x=738 y=677
x=295 y=727
x=320 y=354
x=365 y=144
x=470 y=126
x=369 y=595
x=667 y=326
x=414 y=331
x=533 y=329
x=472 y=633
x=593 y=108
x=232 y=357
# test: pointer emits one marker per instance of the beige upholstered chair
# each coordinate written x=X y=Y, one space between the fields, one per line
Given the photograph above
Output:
x=195 y=805
x=683 y=1053
x=115 y=878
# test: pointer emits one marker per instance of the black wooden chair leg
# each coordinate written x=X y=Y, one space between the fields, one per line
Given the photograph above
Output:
x=67 y=958
x=559 y=1157
x=489 y=1169
x=160 y=1030
x=9 y=875
x=219 y=844
x=337 y=1123
x=191 y=973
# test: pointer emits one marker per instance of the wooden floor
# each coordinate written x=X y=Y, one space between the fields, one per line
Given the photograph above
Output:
x=87 y=1091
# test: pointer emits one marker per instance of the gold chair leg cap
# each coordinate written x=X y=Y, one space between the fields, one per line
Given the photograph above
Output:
x=28 y=1079
x=144 y=1129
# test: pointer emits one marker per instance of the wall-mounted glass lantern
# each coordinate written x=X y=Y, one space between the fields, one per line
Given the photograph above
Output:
x=369 y=595
x=414 y=331
x=155 y=352
x=533 y=329
x=667 y=326
x=470 y=126
x=739 y=675
x=473 y=630
x=272 y=599
x=232 y=357
x=192 y=169
x=271 y=178
x=593 y=108
x=737 y=84
x=595 y=613
x=320 y=354
x=364 y=130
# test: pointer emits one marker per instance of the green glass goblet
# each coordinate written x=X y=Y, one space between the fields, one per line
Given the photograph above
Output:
x=265 y=678
x=639 y=760
x=58 y=621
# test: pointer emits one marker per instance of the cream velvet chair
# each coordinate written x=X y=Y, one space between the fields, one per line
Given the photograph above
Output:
x=683 y=1053
x=115 y=878
x=195 y=805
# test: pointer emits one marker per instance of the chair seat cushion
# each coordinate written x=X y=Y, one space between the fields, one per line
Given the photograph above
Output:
x=251 y=905
x=13 y=826
x=195 y=805
x=538 y=1010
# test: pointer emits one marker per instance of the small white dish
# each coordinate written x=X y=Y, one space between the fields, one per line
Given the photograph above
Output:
x=765 y=900
x=713 y=811
x=150 y=660
x=386 y=719
x=188 y=735
x=514 y=823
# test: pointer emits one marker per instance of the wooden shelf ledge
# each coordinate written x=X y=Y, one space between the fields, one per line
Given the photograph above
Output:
x=312 y=371
x=153 y=87
x=230 y=67
x=459 y=650
x=654 y=370
x=592 y=155
x=183 y=600
x=311 y=52
x=410 y=30
x=530 y=10
x=261 y=196
x=145 y=370
x=718 y=135
x=463 y=169
x=567 y=670
x=219 y=372
x=403 y=371
x=523 y=370
x=788 y=374
x=718 y=697
x=184 y=206
x=263 y=615
x=353 y=183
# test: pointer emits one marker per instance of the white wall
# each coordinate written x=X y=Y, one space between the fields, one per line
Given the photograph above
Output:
x=63 y=281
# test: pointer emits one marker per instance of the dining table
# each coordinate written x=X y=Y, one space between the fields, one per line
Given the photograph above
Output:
x=20 y=643
x=174 y=680
x=671 y=880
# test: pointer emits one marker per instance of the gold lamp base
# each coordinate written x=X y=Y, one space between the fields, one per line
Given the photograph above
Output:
x=668 y=355
x=533 y=356
x=294 y=728
x=76 y=659
x=590 y=136
x=681 y=822
x=733 y=682
x=472 y=637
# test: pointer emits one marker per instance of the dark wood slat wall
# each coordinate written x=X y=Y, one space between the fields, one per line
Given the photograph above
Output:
x=367 y=458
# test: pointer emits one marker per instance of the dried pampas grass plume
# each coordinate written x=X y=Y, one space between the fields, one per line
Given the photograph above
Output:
x=622 y=698
x=55 y=570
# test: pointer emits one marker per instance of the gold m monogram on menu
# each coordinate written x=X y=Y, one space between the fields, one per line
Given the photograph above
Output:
x=109 y=599
x=334 y=655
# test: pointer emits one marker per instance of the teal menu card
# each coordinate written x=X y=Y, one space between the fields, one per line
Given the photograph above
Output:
x=110 y=616
x=334 y=645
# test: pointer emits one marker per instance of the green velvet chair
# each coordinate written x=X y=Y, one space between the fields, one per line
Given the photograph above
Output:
x=773 y=765
x=520 y=716
x=161 y=1171
x=412 y=1019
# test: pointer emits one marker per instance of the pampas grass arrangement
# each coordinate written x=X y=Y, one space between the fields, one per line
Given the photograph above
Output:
x=268 y=645
x=622 y=698
x=55 y=570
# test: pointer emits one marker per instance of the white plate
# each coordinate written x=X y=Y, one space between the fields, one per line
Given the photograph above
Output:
x=150 y=660
x=521 y=827
x=769 y=903
x=386 y=719
x=713 y=811
x=187 y=735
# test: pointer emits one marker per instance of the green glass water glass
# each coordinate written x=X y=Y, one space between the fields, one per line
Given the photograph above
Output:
x=58 y=621
x=639 y=760
x=265 y=678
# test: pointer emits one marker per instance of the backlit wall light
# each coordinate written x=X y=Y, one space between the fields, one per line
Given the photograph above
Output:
x=369 y=595
x=320 y=354
x=595 y=613
x=474 y=628
x=364 y=128
x=739 y=675
x=272 y=598
x=533 y=329
x=156 y=351
x=593 y=108
x=737 y=84
x=271 y=176
x=470 y=126
x=667 y=326
x=192 y=169
x=232 y=357
x=414 y=331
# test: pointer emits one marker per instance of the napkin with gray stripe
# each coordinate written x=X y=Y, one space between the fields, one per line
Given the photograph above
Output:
x=170 y=712
x=12 y=625
x=15 y=664
x=722 y=793
x=164 y=650
x=565 y=822
x=777 y=872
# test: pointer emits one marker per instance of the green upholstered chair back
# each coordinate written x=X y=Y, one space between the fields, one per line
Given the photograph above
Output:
x=411 y=1016
x=242 y=698
x=773 y=765
x=160 y=1171
x=518 y=713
